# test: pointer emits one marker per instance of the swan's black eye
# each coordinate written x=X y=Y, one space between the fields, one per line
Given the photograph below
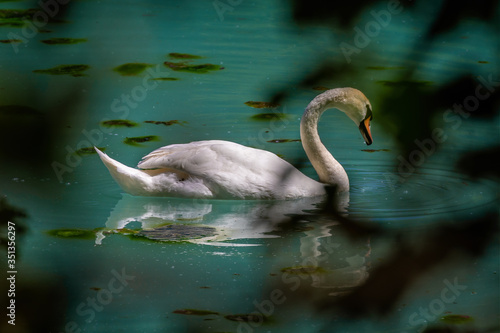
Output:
x=369 y=113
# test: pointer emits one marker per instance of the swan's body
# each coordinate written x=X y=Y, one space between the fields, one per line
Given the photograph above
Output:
x=223 y=169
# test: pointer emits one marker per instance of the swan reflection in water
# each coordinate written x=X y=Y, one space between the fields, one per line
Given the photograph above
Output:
x=326 y=257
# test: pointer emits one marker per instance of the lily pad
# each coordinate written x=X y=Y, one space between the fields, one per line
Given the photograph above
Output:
x=132 y=68
x=194 y=312
x=166 y=123
x=66 y=41
x=262 y=105
x=198 y=69
x=119 y=123
x=176 y=55
x=140 y=139
x=177 y=232
x=73 y=70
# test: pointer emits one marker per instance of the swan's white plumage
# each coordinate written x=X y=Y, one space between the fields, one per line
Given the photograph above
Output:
x=223 y=169
x=213 y=169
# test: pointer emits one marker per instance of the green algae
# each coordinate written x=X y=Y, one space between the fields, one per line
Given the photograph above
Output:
x=73 y=233
x=269 y=116
x=118 y=123
x=197 y=69
x=10 y=41
x=88 y=151
x=456 y=319
x=165 y=79
x=73 y=70
x=135 y=141
x=16 y=18
x=262 y=105
x=195 y=312
x=132 y=68
x=175 y=55
x=166 y=123
x=63 y=41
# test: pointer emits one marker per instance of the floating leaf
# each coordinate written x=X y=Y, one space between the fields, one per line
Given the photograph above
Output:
x=457 y=319
x=73 y=233
x=183 y=56
x=132 y=68
x=88 y=151
x=55 y=41
x=198 y=69
x=166 y=123
x=194 y=312
x=119 y=123
x=262 y=105
x=140 y=139
x=73 y=70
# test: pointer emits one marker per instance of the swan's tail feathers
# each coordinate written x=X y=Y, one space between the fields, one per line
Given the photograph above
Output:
x=133 y=181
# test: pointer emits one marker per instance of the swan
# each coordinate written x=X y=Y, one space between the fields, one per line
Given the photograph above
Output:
x=227 y=170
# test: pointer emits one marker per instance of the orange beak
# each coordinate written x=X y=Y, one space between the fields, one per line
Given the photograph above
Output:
x=364 y=128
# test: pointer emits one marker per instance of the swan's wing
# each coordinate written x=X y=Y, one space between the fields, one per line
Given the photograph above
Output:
x=227 y=167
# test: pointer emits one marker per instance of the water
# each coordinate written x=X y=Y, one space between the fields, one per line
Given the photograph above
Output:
x=237 y=257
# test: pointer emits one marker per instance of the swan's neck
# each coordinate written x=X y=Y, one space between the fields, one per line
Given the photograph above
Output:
x=330 y=171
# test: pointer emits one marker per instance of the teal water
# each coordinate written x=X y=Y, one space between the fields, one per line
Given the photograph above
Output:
x=244 y=260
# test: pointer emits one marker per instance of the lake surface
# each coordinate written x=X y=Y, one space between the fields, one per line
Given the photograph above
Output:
x=104 y=261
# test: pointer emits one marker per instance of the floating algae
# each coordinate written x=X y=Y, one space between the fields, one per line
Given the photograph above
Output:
x=198 y=69
x=132 y=68
x=262 y=105
x=73 y=70
x=16 y=18
x=194 y=312
x=175 y=55
x=10 y=41
x=284 y=140
x=165 y=79
x=88 y=151
x=140 y=139
x=457 y=319
x=374 y=150
x=64 y=41
x=166 y=123
x=119 y=123
x=73 y=233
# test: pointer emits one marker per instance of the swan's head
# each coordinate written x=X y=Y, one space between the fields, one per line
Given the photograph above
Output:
x=357 y=107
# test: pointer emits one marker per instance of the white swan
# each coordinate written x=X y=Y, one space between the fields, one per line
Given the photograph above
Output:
x=227 y=170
